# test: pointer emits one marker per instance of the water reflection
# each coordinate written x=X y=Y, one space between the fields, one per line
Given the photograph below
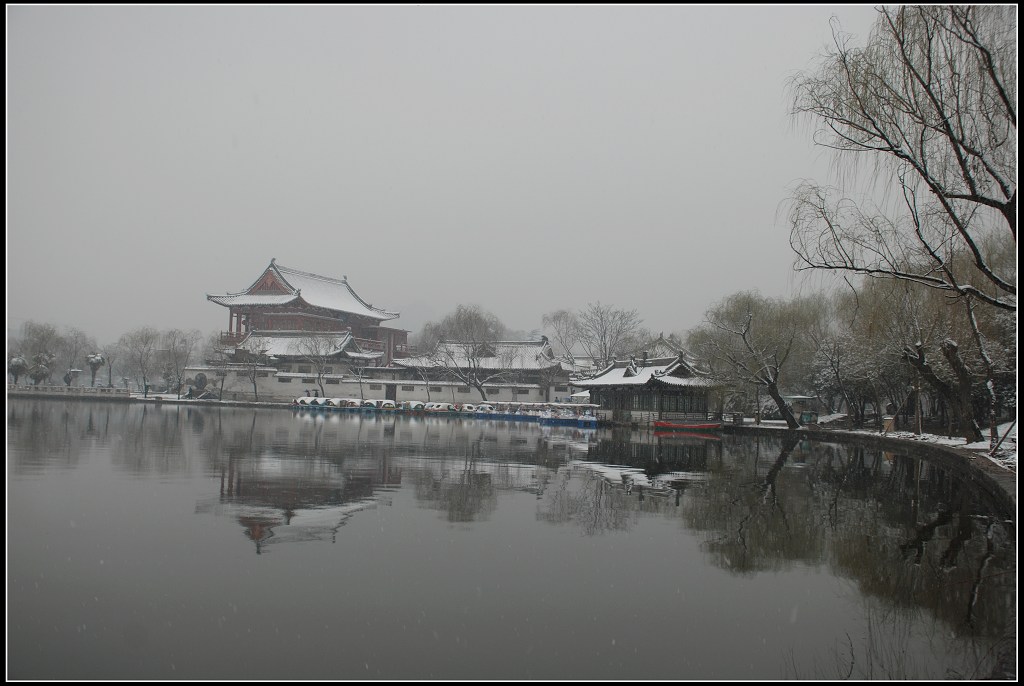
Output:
x=883 y=566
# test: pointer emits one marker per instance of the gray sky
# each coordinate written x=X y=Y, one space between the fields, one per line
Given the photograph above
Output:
x=524 y=159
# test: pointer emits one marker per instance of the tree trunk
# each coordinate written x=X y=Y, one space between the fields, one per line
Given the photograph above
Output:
x=969 y=428
x=787 y=414
x=952 y=395
x=990 y=376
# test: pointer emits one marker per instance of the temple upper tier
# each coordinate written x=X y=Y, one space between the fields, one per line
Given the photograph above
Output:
x=285 y=299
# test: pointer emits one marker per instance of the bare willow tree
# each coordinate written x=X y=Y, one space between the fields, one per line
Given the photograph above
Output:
x=605 y=331
x=465 y=346
x=564 y=327
x=74 y=343
x=930 y=105
x=140 y=348
x=752 y=340
x=179 y=349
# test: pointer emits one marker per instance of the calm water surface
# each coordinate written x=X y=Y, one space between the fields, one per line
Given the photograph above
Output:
x=166 y=542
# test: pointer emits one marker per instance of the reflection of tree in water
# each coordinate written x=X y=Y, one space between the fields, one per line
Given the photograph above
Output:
x=754 y=519
x=590 y=500
x=910 y=535
x=464 y=494
x=56 y=432
x=952 y=558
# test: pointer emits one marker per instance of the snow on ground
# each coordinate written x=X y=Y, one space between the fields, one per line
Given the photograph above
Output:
x=1005 y=456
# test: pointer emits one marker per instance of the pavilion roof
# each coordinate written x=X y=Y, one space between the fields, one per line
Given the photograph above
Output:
x=673 y=371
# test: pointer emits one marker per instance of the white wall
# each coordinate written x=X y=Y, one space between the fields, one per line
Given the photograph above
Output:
x=285 y=386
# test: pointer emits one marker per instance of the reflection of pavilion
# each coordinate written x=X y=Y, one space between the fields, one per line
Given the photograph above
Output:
x=656 y=455
x=280 y=498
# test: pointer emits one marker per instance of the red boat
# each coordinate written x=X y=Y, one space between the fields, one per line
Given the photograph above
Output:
x=687 y=426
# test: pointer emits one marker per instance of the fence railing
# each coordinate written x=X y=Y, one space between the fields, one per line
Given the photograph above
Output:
x=70 y=390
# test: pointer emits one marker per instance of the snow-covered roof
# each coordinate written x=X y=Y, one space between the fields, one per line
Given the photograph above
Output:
x=252 y=299
x=498 y=355
x=319 y=291
x=279 y=344
x=363 y=356
x=670 y=371
x=696 y=381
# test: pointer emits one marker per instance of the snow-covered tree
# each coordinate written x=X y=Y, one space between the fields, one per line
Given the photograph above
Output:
x=42 y=367
x=95 y=362
x=17 y=366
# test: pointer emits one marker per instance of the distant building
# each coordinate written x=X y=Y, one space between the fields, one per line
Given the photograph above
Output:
x=662 y=347
x=526 y=371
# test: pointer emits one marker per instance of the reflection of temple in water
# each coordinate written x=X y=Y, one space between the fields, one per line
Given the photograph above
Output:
x=299 y=476
x=283 y=498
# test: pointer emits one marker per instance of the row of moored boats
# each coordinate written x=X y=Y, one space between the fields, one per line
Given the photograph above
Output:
x=573 y=414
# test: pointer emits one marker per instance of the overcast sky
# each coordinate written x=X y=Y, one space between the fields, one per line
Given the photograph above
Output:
x=525 y=159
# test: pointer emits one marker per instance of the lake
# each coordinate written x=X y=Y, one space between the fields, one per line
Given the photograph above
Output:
x=149 y=541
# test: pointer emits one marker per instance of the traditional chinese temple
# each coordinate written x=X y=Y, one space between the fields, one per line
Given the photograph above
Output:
x=284 y=301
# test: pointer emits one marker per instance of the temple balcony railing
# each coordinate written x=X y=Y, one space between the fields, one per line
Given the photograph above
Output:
x=232 y=337
x=368 y=345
